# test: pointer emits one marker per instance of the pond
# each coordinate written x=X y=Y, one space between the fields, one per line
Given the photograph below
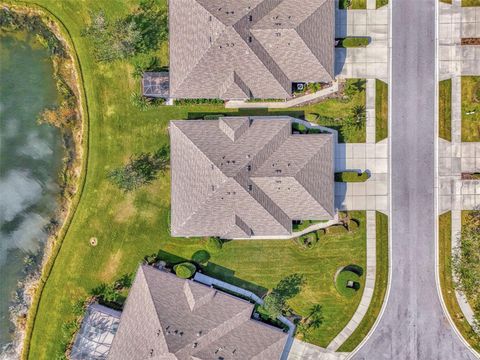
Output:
x=30 y=160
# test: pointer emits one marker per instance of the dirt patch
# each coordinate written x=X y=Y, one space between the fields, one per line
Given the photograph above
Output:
x=111 y=267
x=125 y=210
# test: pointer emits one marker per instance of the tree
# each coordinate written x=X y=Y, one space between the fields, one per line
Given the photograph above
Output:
x=313 y=321
x=275 y=303
x=359 y=116
x=140 y=170
x=214 y=244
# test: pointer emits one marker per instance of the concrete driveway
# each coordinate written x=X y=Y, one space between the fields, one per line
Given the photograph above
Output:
x=414 y=325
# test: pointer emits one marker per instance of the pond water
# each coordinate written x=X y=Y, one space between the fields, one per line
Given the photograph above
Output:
x=30 y=160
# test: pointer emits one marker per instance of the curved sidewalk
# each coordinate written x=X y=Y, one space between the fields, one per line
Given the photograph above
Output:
x=369 y=285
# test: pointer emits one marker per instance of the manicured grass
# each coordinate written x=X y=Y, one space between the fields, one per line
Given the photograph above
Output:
x=470 y=108
x=381 y=283
x=353 y=4
x=445 y=109
x=446 y=1
x=381 y=110
x=130 y=226
x=354 y=42
x=467 y=3
x=351 y=176
x=446 y=281
x=381 y=3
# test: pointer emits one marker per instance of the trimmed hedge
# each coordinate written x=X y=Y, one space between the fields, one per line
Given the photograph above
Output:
x=353 y=42
x=185 y=270
x=351 y=176
x=337 y=229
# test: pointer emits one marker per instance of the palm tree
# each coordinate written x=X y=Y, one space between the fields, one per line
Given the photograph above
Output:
x=314 y=319
x=359 y=115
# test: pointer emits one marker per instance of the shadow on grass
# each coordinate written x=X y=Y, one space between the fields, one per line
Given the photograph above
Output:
x=213 y=270
x=299 y=114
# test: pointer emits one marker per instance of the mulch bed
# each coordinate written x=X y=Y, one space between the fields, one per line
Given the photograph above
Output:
x=470 y=41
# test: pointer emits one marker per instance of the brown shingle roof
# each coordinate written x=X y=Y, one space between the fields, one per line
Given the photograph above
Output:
x=166 y=317
x=249 y=48
x=240 y=176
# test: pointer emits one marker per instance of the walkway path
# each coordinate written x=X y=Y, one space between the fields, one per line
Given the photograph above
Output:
x=241 y=104
x=413 y=325
x=304 y=351
x=368 y=289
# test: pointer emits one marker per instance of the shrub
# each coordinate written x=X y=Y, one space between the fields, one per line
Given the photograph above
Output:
x=351 y=176
x=198 y=101
x=214 y=244
x=185 y=270
x=299 y=127
x=140 y=170
x=337 y=229
x=201 y=257
x=353 y=42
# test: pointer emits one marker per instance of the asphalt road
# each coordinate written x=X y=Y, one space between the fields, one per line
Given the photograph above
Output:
x=413 y=325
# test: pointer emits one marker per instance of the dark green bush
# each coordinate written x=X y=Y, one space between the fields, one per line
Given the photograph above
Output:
x=214 y=244
x=185 y=270
x=299 y=127
x=201 y=257
x=198 y=102
x=353 y=42
x=351 y=176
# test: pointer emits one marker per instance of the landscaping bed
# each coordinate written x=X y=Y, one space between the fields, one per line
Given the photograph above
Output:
x=467 y=3
x=470 y=41
x=353 y=4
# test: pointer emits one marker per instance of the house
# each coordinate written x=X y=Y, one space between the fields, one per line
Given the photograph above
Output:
x=239 y=177
x=166 y=317
x=240 y=49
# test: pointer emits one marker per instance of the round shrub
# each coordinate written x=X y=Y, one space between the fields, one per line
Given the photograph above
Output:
x=185 y=270
x=347 y=283
x=201 y=257
x=214 y=244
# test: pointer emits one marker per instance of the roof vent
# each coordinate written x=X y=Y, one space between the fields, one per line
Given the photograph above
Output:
x=199 y=333
x=195 y=344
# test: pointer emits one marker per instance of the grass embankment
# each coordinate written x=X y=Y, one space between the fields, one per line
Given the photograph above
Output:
x=466 y=3
x=353 y=4
x=381 y=110
x=381 y=283
x=129 y=226
x=446 y=281
x=445 y=109
x=470 y=108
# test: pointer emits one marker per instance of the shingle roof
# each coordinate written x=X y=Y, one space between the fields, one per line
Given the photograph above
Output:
x=240 y=176
x=166 y=317
x=249 y=48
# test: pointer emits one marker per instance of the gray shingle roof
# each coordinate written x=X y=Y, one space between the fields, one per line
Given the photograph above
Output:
x=234 y=49
x=166 y=317
x=240 y=176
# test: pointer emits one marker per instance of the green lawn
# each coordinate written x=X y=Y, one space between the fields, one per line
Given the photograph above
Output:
x=470 y=3
x=381 y=3
x=381 y=110
x=446 y=281
x=446 y=1
x=381 y=283
x=445 y=110
x=470 y=108
x=130 y=226
x=354 y=4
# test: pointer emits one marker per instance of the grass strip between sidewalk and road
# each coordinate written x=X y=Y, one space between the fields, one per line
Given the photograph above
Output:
x=381 y=284
x=470 y=108
x=447 y=283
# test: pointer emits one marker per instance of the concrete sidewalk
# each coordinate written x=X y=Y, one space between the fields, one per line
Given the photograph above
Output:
x=304 y=351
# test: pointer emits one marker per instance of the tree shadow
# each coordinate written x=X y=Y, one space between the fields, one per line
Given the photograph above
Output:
x=354 y=268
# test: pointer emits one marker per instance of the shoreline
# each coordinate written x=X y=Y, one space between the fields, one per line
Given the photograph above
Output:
x=70 y=118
